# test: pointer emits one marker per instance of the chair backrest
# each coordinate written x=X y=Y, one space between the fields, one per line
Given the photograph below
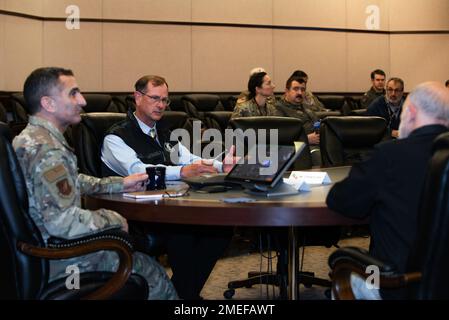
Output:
x=3 y=117
x=87 y=137
x=348 y=140
x=197 y=104
x=219 y=119
x=19 y=108
x=21 y=276
x=332 y=102
x=430 y=253
x=289 y=130
x=120 y=103
x=96 y=102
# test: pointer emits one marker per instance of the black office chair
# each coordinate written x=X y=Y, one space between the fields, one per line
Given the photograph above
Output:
x=24 y=270
x=426 y=276
x=88 y=137
x=348 y=140
x=289 y=130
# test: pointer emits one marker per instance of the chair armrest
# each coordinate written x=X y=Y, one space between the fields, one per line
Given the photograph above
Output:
x=113 y=239
x=346 y=261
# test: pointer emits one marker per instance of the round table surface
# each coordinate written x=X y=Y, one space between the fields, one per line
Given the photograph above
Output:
x=304 y=209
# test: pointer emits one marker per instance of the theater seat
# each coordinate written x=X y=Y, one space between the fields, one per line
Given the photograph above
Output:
x=3 y=117
x=96 y=102
x=25 y=256
x=197 y=104
x=348 y=140
x=332 y=102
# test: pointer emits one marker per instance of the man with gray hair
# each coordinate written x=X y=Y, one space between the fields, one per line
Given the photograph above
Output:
x=389 y=106
x=387 y=187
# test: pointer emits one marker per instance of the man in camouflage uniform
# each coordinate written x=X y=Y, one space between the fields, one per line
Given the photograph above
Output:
x=311 y=101
x=55 y=187
x=259 y=101
x=376 y=90
x=292 y=104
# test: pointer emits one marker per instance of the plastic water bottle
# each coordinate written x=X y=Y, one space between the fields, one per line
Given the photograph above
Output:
x=316 y=127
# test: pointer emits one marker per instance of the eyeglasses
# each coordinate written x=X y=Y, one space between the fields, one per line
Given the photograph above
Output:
x=157 y=99
x=389 y=90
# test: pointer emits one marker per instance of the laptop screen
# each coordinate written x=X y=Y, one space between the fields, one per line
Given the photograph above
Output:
x=265 y=164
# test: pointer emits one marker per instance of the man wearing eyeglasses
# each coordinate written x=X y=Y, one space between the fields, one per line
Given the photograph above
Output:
x=389 y=106
x=142 y=140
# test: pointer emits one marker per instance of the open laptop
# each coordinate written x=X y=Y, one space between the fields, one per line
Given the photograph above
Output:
x=257 y=172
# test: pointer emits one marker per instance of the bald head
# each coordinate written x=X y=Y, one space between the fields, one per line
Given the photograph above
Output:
x=427 y=104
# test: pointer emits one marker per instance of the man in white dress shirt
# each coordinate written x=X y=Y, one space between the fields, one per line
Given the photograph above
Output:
x=142 y=140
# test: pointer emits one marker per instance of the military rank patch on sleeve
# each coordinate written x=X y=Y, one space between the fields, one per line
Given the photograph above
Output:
x=55 y=173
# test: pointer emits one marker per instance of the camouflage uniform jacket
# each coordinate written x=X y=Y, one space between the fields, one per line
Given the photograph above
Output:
x=301 y=112
x=369 y=97
x=249 y=108
x=313 y=103
x=54 y=193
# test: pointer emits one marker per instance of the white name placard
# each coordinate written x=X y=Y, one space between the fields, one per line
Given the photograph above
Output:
x=310 y=177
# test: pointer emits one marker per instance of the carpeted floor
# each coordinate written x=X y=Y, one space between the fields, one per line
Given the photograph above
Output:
x=241 y=258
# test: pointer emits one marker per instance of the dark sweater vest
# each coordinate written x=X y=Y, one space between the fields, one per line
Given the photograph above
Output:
x=148 y=150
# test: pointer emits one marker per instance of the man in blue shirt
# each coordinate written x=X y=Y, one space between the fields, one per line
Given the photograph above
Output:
x=142 y=140
x=389 y=106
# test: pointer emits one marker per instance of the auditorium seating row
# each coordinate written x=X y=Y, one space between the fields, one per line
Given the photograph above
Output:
x=213 y=110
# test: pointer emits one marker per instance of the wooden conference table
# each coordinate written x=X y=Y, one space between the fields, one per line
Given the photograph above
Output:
x=303 y=209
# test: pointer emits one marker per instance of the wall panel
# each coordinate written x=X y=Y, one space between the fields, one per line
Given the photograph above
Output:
x=419 y=15
x=22 y=50
x=79 y=50
x=131 y=52
x=364 y=54
x=310 y=13
x=160 y=10
x=33 y=7
x=223 y=57
x=418 y=58
x=233 y=11
x=2 y=52
x=88 y=8
x=322 y=55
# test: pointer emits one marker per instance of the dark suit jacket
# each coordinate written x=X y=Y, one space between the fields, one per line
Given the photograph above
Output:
x=387 y=188
x=379 y=108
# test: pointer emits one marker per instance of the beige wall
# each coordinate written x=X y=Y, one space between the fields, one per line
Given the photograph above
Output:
x=111 y=56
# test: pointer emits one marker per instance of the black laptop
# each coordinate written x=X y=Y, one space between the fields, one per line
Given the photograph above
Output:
x=262 y=168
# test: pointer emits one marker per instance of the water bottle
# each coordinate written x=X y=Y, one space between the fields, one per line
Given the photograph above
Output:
x=316 y=127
